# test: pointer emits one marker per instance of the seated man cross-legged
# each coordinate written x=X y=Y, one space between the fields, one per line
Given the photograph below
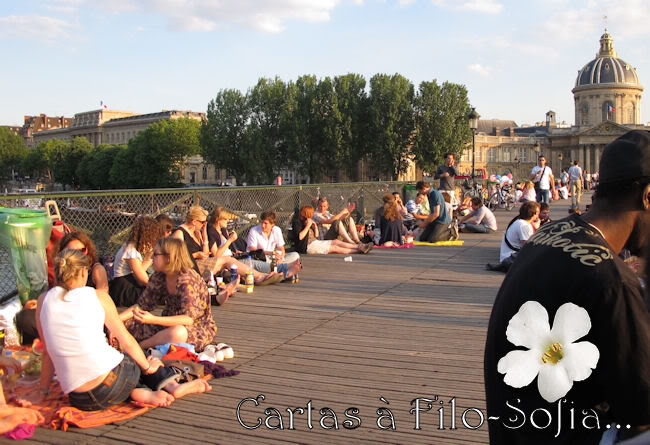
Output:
x=479 y=220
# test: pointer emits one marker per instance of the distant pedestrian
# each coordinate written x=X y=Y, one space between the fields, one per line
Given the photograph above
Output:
x=543 y=180
x=575 y=176
x=447 y=173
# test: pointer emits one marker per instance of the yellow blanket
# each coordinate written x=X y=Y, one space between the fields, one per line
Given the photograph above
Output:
x=440 y=243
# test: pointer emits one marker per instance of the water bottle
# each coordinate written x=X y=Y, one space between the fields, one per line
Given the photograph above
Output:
x=233 y=273
x=250 y=278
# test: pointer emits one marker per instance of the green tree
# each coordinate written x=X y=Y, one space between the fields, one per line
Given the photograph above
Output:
x=441 y=122
x=352 y=102
x=66 y=156
x=94 y=169
x=315 y=132
x=160 y=151
x=40 y=161
x=225 y=136
x=12 y=152
x=391 y=123
x=122 y=175
x=268 y=127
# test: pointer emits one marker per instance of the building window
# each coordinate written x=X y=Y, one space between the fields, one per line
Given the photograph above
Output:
x=492 y=154
x=584 y=114
x=506 y=155
x=629 y=113
x=205 y=173
x=523 y=154
x=192 y=177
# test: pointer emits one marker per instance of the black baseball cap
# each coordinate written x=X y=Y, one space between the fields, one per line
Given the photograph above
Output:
x=626 y=158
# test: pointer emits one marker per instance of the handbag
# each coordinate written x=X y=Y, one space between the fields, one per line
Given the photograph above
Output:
x=536 y=183
x=254 y=254
x=187 y=370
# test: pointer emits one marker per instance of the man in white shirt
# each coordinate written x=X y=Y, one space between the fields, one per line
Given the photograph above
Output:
x=479 y=220
x=542 y=177
x=517 y=233
x=575 y=176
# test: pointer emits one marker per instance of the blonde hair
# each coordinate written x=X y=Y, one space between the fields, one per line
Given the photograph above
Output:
x=68 y=264
x=530 y=185
x=196 y=213
x=177 y=254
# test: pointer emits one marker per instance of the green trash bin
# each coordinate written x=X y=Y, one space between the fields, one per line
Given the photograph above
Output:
x=26 y=233
x=409 y=191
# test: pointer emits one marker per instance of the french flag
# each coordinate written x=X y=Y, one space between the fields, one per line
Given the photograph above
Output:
x=102 y=104
x=610 y=109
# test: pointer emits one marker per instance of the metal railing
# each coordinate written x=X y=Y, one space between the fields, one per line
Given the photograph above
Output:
x=106 y=216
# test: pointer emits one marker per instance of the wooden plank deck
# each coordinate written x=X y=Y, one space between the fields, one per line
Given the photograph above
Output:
x=396 y=324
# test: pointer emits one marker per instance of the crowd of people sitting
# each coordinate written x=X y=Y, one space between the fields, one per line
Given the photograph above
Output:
x=88 y=340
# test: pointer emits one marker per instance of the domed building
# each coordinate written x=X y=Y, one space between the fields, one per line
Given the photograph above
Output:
x=607 y=89
x=607 y=96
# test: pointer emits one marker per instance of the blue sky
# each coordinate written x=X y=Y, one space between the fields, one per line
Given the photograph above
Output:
x=517 y=58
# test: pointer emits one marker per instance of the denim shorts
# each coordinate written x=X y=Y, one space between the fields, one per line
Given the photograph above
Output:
x=117 y=386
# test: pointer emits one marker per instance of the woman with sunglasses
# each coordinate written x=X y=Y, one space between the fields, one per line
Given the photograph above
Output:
x=187 y=316
x=132 y=261
x=194 y=233
x=97 y=276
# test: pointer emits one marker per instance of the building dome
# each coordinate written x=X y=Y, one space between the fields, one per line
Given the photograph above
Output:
x=607 y=69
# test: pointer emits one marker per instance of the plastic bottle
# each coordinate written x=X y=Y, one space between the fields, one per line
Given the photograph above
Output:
x=212 y=284
x=250 y=278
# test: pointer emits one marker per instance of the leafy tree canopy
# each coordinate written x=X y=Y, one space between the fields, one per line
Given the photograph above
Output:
x=12 y=151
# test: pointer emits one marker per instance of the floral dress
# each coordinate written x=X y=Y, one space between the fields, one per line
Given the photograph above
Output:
x=192 y=298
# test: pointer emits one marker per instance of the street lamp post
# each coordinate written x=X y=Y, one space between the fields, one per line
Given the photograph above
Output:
x=473 y=118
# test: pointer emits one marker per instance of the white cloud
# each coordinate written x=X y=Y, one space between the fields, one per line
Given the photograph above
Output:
x=406 y=2
x=200 y=15
x=483 y=6
x=480 y=69
x=625 y=19
x=35 y=27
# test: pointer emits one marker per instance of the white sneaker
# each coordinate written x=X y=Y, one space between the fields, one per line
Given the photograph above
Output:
x=211 y=354
x=226 y=350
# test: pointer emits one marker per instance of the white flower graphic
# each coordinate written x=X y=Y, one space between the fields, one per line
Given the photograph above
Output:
x=552 y=356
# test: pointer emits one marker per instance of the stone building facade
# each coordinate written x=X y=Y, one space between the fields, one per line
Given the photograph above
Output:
x=607 y=95
x=115 y=127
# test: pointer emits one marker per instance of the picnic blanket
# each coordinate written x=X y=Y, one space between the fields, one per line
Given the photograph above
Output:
x=59 y=414
x=440 y=243
x=402 y=246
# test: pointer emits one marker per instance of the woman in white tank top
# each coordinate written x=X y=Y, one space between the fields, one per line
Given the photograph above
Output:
x=70 y=319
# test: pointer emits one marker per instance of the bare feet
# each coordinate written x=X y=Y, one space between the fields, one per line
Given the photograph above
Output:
x=156 y=398
x=265 y=277
x=194 y=387
x=293 y=269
